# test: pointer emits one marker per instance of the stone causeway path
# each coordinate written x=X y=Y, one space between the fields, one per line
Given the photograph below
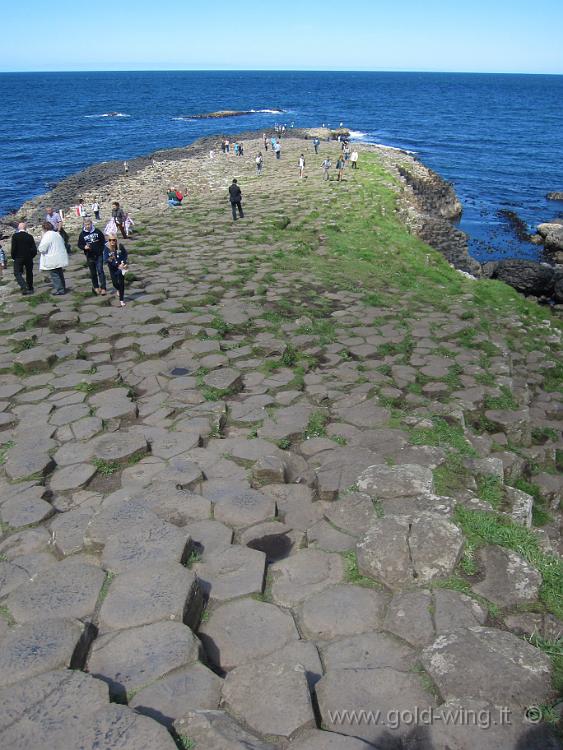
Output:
x=225 y=517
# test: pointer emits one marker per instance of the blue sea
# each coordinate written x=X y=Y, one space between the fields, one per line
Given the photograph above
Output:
x=498 y=138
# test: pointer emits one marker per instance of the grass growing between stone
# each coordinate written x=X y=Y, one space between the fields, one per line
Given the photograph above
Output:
x=504 y=401
x=4 y=448
x=6 y=615
x=489 y=489
x=184 y=742
x=481 y=527
x=540 y=516
x=352 y=573
x=554 y=649
x=443 y=435
x=105 y=468
x=316 y=427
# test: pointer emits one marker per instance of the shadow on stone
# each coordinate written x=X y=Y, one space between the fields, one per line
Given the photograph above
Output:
x=275 y=546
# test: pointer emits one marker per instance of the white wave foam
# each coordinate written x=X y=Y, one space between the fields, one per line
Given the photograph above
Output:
x=357 y=135
x=108 y=114
x=269 y=111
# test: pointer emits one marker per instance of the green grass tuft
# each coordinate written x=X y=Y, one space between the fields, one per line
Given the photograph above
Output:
x=481 y=527
x=352 y=573
x=106 y=468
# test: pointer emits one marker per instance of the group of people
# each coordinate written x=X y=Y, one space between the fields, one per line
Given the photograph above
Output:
x=54 y=256
x=174 y=196
x=346 y=156
x=238 y=147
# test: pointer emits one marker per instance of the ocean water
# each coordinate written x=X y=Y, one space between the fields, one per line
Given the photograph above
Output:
x=498 y=138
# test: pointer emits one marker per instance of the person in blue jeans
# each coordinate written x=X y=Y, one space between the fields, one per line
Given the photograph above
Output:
x=116 y=258
x=92 y=242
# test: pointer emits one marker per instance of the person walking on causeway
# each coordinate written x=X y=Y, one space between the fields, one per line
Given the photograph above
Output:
x=23 y=252
x=92 y=242
x=235 y=196
x=118 y=215
x=53 y=257
x=116 y=257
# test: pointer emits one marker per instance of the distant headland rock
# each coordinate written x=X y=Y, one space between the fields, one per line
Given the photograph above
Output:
x=229 y=113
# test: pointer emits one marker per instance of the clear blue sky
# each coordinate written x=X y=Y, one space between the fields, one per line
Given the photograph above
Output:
x=523 y=36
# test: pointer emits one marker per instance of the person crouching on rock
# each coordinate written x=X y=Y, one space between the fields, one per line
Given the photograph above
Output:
x=116 y=257
x=92 y=242
x=53 y=257
x=173 y=199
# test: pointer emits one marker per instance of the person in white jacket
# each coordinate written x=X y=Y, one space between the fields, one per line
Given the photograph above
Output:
x=53 y=257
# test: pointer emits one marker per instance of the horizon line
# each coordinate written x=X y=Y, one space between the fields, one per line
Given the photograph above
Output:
x=279 y=70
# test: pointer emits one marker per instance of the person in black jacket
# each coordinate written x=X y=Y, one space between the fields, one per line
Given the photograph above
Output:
x=92 y=242
x=235 y=196
x=24 y=251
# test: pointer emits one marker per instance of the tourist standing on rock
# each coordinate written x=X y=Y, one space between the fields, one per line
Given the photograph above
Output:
x=3 y=261
x=277 y=149
x=301 y=166
x=326 y=165
x=235 y=196
x=96 y=210
x=118 y=215
x=56 y=220
x=259 y=163
x=126 y=167
x=92 y=242
x=23 y=252
x=316 y=144
x=354 y=159
x=116 y=257
x=340 y=168
x=53 y=257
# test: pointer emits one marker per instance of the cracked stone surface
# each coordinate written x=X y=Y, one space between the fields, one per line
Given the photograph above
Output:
x=508 y=579
x=515 y=670
x=398 y=550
